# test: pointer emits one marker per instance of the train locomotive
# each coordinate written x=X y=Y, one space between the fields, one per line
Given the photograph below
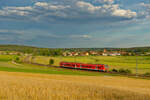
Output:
x=93 y=67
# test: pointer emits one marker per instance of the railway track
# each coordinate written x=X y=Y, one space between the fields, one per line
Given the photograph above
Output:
x=109 y=73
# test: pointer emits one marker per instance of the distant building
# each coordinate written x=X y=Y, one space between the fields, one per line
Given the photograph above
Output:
x=111 y=54
x=115 y=54
x=105 y=54
x=93 y=53
x=123 y=53
x=148 y=53
x=74 y=53
x=105 y=50
x=70 y=54
x=65 y=54
x=86 y=54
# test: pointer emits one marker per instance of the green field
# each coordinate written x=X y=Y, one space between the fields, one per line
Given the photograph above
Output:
x=126 y=62
x=6 y=64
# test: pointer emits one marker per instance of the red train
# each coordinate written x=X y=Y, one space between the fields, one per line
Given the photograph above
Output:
x=96 y=67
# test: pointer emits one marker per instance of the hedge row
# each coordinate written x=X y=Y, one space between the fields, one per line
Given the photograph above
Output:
x=123 y=71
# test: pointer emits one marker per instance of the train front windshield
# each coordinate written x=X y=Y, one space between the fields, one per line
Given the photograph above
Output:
x=106 y=66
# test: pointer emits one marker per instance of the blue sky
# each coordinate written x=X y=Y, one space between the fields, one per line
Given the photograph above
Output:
x=75 y=23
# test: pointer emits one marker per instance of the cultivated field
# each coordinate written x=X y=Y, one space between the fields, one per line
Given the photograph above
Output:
x=126 y=62
x=33 y=82
x=21 y=86
x=6 y=64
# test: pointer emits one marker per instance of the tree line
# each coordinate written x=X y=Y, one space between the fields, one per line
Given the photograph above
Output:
x=58 y=51
x=31 y=50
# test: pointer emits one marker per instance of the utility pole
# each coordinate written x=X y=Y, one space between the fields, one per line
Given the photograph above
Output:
x=75 y=60
x=61 y=56
x=136 y=65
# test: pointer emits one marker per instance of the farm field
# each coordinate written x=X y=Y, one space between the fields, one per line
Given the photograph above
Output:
x=33 y=82
x=126 y=62
x=28 y=86
x=6 y=64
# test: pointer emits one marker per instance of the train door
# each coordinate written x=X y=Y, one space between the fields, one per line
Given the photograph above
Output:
x=106 y=67
x=96 y=67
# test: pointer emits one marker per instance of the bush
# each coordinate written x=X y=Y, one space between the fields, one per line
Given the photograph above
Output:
x=114 y=70
x=147 y=74
x=128 y=71
x=17 y=60
x=125 y=71
x=51 y=61
x=122 y=70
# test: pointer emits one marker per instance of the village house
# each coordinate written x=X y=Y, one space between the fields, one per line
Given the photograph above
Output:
x=115 y=54
x=84 y=54
x=87 y=54
x=65 y=54
x=71 y=54
x=106 y=53
x=93 y=53
x=123 y=53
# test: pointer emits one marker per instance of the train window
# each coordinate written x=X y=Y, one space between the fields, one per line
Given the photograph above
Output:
x=67 y=64
x=101 y=66
x=84 y=65
x=96 y=66
x=74 y=65
x=91 y=66
x=106 y=66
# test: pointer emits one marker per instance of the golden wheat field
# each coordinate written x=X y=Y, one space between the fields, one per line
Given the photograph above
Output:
x=26 y=86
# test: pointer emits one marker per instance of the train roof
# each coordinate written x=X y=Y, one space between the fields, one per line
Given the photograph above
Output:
x=84 y=63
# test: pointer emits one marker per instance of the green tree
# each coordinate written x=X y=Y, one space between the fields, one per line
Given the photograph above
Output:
x=51 y=61
x=17 y=59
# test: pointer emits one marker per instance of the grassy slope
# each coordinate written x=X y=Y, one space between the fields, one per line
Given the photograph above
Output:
x=113 y=62
x=7 y=65
x=127 y=62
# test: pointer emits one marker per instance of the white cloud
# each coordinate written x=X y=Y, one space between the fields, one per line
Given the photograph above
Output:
x=106 y=10
x=80 y=36
x=74 y=11
x=18 y=8
x=85 y=6
x=105 y=1
x=50 y=6
x=145 y=5
x=21 y=11
x=124 y=13
x=41 y=4
x=146 y=11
